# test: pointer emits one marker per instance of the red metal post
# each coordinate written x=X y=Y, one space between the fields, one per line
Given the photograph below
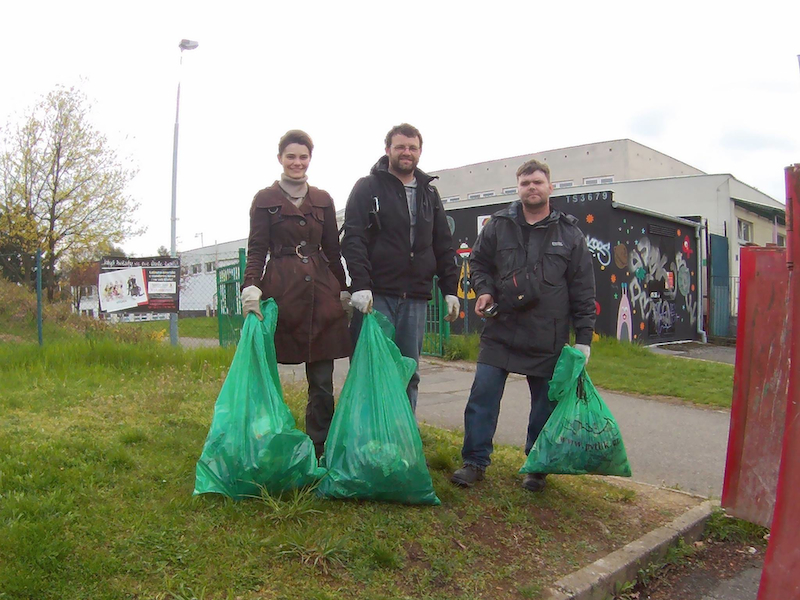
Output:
x=760 y=386
x=781 y=577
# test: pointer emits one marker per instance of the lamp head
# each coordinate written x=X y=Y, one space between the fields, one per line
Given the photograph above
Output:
x=188 y=45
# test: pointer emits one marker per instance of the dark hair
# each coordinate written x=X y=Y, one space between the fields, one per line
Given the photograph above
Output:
x=296 y=136
x=403 y=129
x=531 y=166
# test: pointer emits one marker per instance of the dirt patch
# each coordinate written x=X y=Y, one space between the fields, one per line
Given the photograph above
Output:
x=696 y=575
x=7 y=338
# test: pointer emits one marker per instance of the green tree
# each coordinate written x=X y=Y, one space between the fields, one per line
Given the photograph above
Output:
x=163 y=251
x=66 y=184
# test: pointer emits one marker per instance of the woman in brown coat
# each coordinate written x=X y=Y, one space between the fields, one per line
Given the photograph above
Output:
x=296 y=224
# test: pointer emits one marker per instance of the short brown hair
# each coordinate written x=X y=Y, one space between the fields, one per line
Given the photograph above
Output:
x=403 y=129
x=296 y=136
x=531 y=166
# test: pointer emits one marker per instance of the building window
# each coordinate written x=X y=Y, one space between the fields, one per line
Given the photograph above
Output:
x=509 y=191
x=598 y=180
x=781 y=240
x=745 y=231
x=451 y=199
x=562 y=184
x=476 y=195
x=195 y=269
x=209 y=267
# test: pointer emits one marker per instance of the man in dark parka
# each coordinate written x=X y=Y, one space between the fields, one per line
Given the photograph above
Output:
x=396 y=239
x=525 y=239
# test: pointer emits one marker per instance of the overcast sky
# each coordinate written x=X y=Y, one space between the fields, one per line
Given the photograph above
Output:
x=714 y=84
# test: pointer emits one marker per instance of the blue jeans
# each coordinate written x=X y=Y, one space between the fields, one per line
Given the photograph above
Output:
x=483 y=408
x=408 y=317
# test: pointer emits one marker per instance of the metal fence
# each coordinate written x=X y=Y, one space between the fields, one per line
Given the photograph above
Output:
x=24 y=269
x=723 y=307
x=437 y=330
x=229 y=301
x=230 y=318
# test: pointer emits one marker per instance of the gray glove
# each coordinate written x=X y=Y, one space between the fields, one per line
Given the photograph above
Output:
x=251 y=301
x=344 y=298
x=362 y=300
x=586 y=350
x=453 y=308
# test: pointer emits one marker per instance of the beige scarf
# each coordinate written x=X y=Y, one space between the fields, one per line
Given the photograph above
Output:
x=294 y=189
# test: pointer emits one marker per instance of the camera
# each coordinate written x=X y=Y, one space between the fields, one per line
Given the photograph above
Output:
x=490 y=311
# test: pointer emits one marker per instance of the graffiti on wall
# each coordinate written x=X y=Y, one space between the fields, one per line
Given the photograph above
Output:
x=649 y=265
x=600 y=250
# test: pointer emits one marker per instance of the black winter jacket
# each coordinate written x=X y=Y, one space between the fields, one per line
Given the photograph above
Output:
x=529 y=341
x=377 y=245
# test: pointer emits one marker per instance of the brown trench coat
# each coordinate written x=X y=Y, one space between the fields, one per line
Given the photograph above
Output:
x=304 y=273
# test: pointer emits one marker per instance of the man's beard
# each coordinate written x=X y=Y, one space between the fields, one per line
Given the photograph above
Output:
x=398 y=166
x=534 y=202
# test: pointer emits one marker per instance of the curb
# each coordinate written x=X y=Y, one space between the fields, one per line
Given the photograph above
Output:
x=597 y=580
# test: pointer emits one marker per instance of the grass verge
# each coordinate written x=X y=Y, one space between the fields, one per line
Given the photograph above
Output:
x=631 y=368
x=195 y=327
x=98 y=445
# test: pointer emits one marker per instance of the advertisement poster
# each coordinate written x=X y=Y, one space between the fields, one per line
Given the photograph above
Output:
x=122 y=289
x=140 y=284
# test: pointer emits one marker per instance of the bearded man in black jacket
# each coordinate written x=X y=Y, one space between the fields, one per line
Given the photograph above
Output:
x=396 y=238
x=532 y=274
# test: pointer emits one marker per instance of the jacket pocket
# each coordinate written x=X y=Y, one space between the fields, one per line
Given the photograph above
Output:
x=554 y=265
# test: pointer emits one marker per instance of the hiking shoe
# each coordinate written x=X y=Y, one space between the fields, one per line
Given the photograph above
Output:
x=467 y=475
x=534 y=482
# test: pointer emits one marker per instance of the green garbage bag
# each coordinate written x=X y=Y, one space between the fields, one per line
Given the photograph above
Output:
x=253 y=441
x=374 y=450
x=581 y=436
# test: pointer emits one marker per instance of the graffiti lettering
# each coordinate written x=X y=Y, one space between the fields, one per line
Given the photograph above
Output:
x=648 y=264
x=664 y=316
x=600 y=250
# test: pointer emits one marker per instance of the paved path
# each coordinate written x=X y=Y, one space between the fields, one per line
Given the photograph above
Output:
x=671 y=444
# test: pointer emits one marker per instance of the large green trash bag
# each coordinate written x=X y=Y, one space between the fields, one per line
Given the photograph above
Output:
x=253 y=440
x=374 y=450
x=581 y=436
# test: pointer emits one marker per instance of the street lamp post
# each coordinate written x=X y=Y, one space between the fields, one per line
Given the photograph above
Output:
x=173 y=251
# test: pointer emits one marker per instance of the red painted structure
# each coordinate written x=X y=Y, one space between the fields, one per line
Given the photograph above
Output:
x=781 y=576
x=760 y=386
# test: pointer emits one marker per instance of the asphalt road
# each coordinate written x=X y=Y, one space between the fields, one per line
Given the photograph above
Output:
x=672 y=444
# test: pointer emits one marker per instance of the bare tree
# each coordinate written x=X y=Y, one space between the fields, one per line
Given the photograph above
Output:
x=61 y=175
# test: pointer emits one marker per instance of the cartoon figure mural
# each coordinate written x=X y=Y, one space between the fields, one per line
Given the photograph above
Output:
x=624 y=317
x=645 y=265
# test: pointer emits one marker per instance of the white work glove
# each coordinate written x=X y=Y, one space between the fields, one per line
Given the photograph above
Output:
x=362 y=300
x=251 y=301
x=585 y=350
x=344 y=298
x=453 y=308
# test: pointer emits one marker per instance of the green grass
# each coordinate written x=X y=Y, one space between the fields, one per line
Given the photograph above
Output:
x=196 y=327
x=98 y=445
x=623 y=367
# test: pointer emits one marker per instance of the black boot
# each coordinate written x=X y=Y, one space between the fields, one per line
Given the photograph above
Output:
x=534 y=482
x=467 y=475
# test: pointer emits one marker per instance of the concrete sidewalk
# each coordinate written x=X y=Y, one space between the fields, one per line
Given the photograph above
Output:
x=668 y=443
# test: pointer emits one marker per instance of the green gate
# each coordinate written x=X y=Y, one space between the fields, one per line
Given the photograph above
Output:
x=230 y=319
x=229 y=301
x=437 y=330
